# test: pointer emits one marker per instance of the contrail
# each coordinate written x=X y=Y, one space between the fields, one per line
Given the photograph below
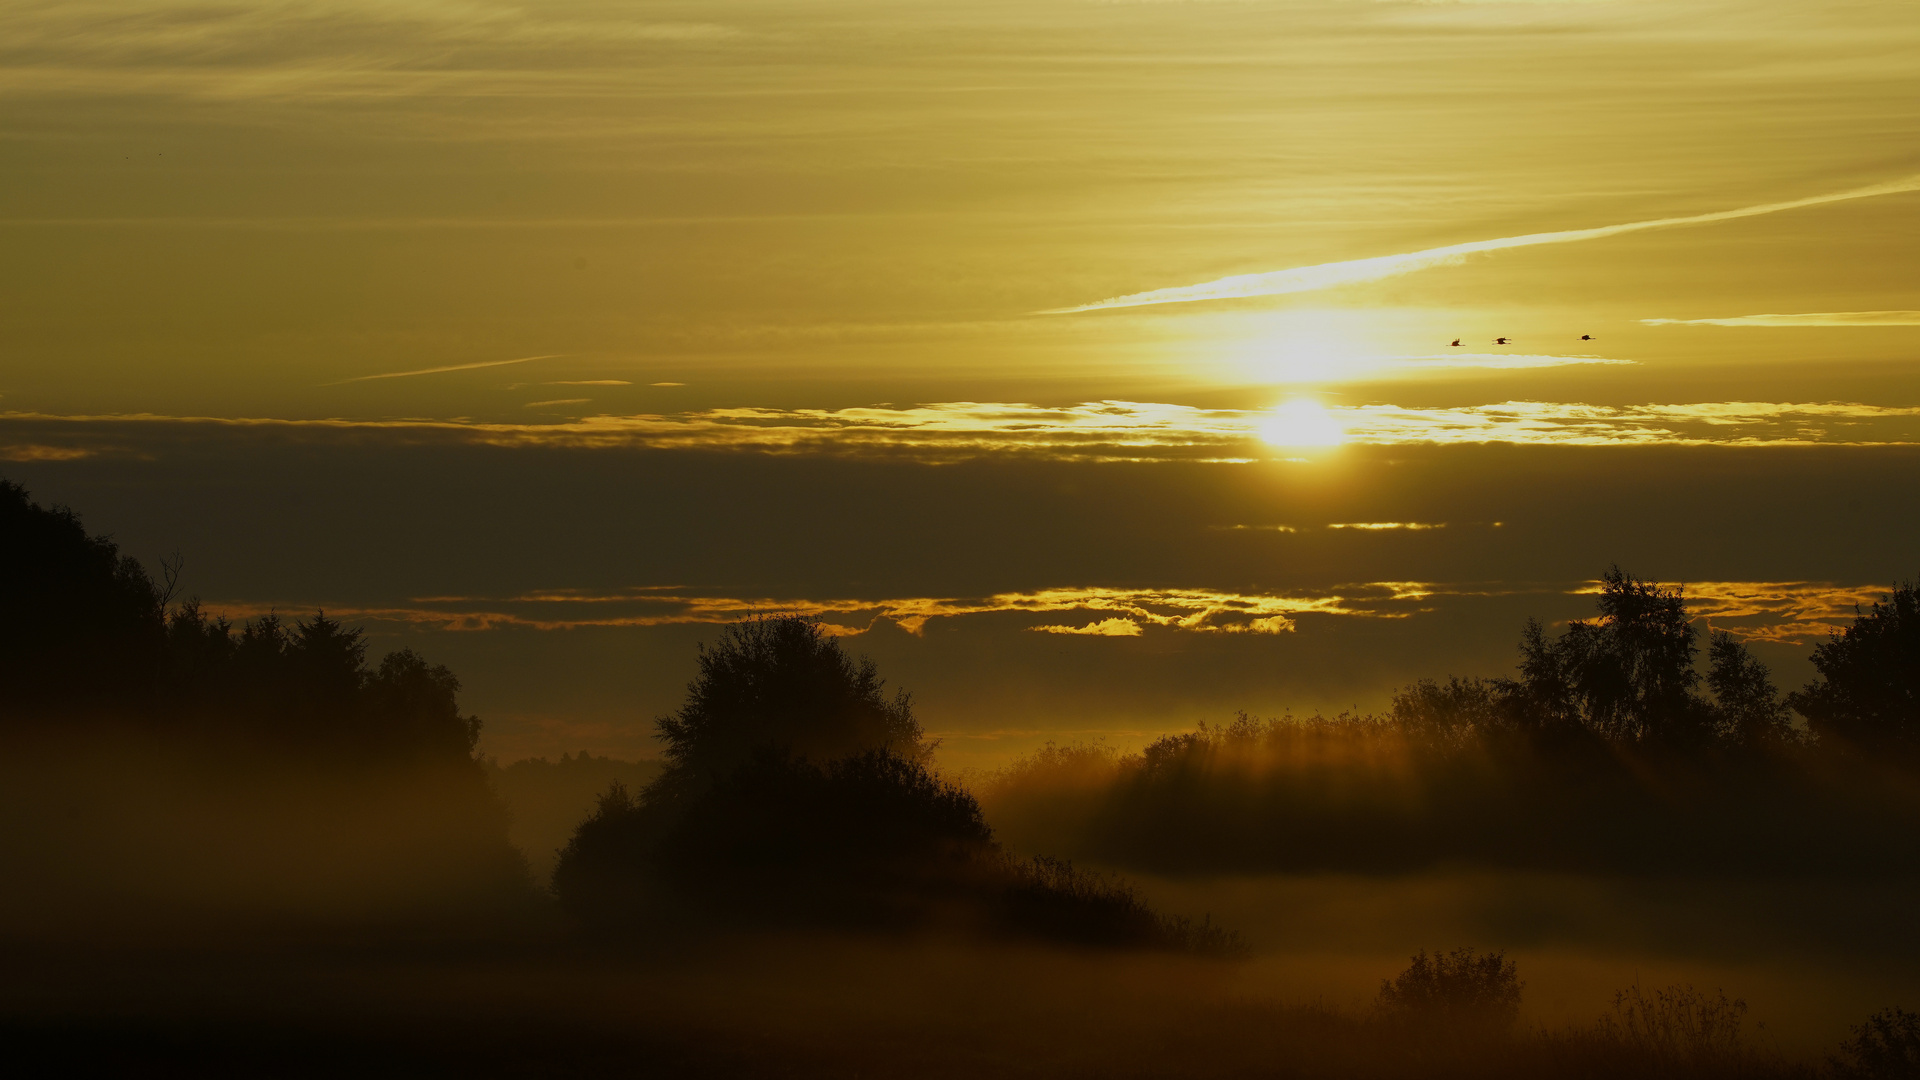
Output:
x=1328 y=275
x=1811 y=318
x=438 y=370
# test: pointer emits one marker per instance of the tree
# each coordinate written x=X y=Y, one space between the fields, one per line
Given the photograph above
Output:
x=1628 y=675
x=789 y=769
x=780 y=684
x=1747 y=707
x=1867 y=698
x=82 y=629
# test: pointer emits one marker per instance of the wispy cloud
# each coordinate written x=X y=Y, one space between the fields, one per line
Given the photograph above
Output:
x=557 y=401
x=1103 y=628
x=1786 y=612
x=439 y=370
x=1192 y=610
x=1353 y=271
x=1791 y=612
x=34 y=452
x=1811 y=318
x=1382 y=526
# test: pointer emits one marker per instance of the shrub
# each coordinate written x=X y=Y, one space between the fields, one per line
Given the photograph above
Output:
x=1678 y=1022
x=1462 y=990
x=1886 y=1046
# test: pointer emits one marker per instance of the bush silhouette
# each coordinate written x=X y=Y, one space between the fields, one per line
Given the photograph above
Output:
x=1678 y=1023
x=1463 y=991
x=1886 y=1046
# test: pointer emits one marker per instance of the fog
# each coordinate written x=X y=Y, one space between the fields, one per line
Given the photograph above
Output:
x=254 y=850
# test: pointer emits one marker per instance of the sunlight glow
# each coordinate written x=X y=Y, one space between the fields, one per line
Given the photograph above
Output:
x=1302 y=422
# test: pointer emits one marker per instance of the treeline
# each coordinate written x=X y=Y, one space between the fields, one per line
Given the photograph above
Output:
x=90 y=637
x=169 y=764
x=1608 y=751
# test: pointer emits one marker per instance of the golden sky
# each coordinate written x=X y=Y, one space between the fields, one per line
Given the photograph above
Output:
x=730 y=290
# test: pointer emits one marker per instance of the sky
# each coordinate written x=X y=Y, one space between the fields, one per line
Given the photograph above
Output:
x=1092 y=366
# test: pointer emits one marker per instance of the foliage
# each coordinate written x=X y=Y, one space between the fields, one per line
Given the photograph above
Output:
x=780 y=684
x=1462 y=990
x=84 y=629
x=90 y=637
x=1886 y=1046
x=1678 y=1023
x=227 y=723
x=1867 y=698
x=798 y=793
x=1606 y=751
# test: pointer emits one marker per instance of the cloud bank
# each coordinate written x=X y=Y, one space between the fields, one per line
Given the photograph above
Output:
x=1101 y=431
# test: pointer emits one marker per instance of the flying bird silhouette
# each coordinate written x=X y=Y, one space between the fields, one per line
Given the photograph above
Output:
x=1455 y=343
x=1586 y=337
x=1501 y=341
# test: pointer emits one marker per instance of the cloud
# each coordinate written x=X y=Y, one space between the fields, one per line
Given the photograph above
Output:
x=1103 y=628
x=1377 y=526
x=1101 y=431
x=1784 y=612
x=557 y=401
x=1791 y=612
x=1811 y=318
x=438 y=370
x=1189 y=610
x=33 y=452
x=1354 y=271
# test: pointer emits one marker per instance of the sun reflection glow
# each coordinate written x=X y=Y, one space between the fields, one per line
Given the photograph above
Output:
x=1302 y=422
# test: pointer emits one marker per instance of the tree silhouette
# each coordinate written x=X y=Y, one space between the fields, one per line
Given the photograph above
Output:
x=85 y=635
x=782 y=685
x=1867 y=698
x=1627 y=675
x=82 y=629
x=1748 y=709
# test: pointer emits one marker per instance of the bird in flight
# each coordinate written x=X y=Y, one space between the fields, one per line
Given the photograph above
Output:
x=1455 y=343
x=1501 y=341
x=1586 y=337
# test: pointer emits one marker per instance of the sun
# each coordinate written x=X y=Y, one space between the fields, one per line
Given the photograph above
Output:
x=1301 y=422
